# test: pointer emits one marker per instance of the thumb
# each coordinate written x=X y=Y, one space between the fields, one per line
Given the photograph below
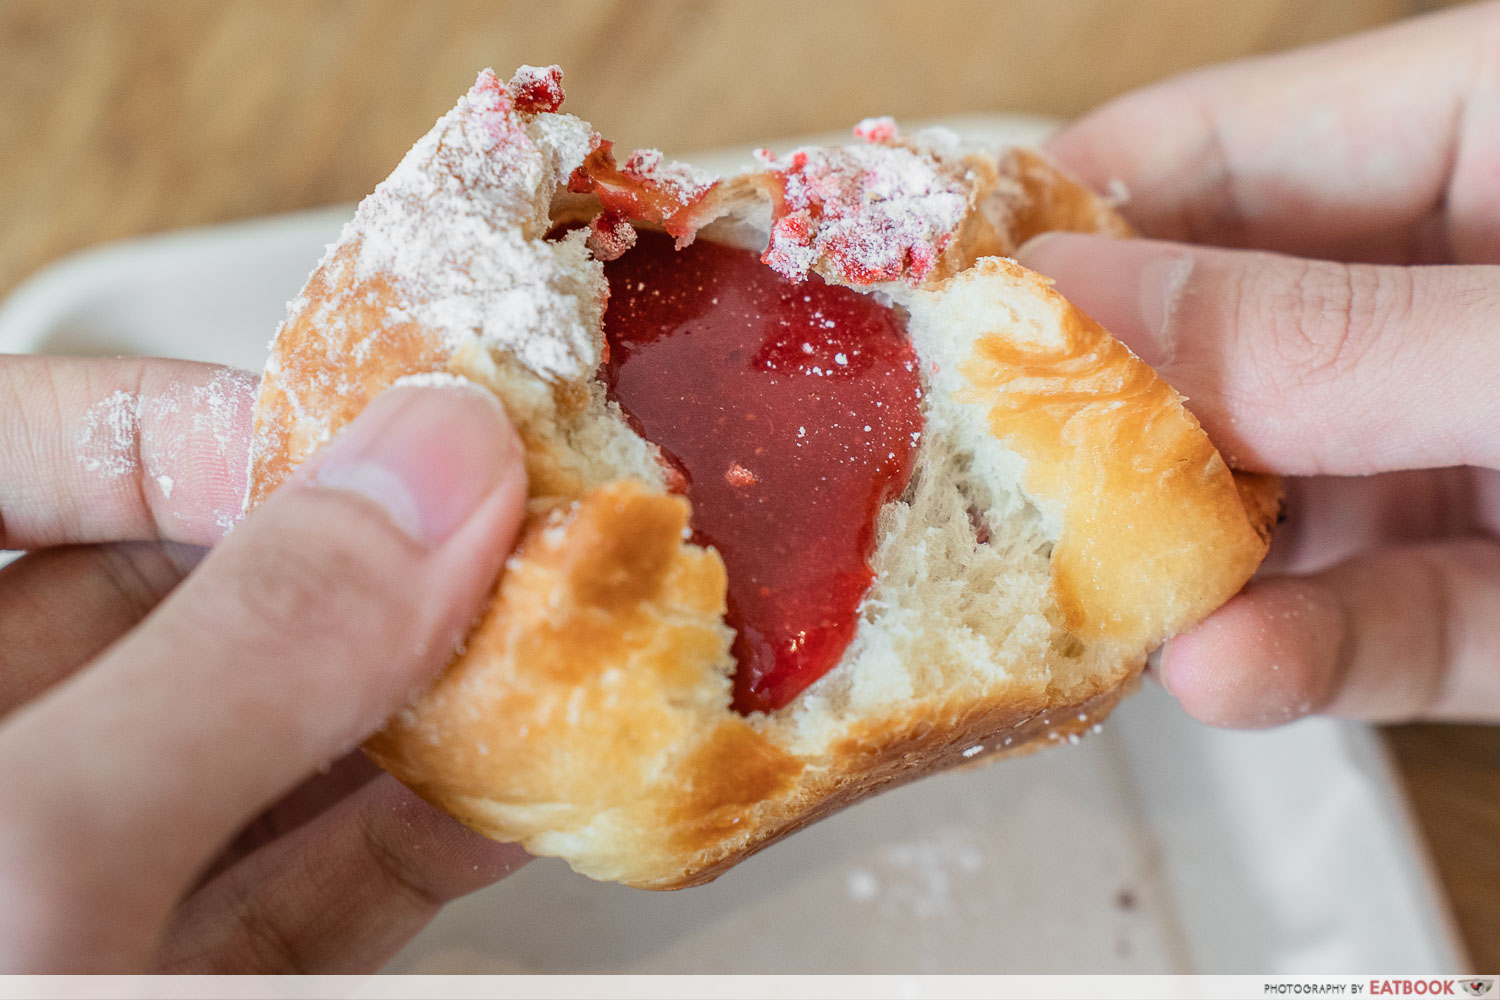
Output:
x=1298 y=366
x=314 y=621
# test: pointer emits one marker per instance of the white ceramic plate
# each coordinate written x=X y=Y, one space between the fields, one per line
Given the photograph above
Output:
x=1157 y=845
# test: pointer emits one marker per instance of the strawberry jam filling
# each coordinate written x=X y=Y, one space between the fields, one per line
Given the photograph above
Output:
x=792 y=413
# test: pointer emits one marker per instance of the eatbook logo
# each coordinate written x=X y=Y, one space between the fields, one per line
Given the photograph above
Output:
x=1477 y=987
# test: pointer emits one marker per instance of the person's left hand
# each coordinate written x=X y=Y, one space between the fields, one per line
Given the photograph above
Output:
x=179 y=790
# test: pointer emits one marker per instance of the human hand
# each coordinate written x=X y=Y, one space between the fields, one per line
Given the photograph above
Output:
x=1381 y=597
x=140 y=740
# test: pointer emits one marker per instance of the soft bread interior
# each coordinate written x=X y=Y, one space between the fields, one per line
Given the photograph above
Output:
x=961 y=600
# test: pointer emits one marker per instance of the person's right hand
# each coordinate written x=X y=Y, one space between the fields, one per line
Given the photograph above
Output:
x=1345 y=352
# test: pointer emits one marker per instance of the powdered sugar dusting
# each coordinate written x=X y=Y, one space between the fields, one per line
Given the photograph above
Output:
x=449 y=380
x=610 y=235
x=107 y=437
x=157 y=436
x=867 y=213
x=537 y=88
x=648 y=188
x=438 y=380
x=683 y=182
x=459 y=227
x=882 y=129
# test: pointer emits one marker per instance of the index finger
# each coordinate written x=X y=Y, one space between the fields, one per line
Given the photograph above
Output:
x=126 y=449
x=1378 y=148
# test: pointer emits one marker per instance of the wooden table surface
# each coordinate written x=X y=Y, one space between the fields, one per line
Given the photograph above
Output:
x=124 y=118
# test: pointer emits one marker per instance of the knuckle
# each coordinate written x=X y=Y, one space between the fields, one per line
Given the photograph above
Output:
x=247 y=934
x=397 y=870
x=139 y=574
x=264 y=944
x=1215 y=211
x=1474 y=295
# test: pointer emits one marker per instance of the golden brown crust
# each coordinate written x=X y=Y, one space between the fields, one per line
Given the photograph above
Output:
x=1264 y=500
x=580 y=701
x=1016 y=196
x=585 y=682
x=1047 y=199
x=1146 y=502
x=885 y=753
x=588 y=716
x=321 y=375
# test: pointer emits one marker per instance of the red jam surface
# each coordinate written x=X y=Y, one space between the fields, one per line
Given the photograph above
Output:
x=792 y=412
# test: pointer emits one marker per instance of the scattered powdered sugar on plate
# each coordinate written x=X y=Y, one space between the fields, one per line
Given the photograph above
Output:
x=863 y=885
x=918 y=878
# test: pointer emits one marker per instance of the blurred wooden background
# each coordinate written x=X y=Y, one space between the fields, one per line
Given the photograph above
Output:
x=122 y=118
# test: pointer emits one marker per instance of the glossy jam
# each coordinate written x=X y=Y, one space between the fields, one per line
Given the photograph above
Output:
x=792 y=412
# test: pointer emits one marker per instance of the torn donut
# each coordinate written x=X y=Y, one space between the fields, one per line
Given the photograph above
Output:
x=826 y=492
